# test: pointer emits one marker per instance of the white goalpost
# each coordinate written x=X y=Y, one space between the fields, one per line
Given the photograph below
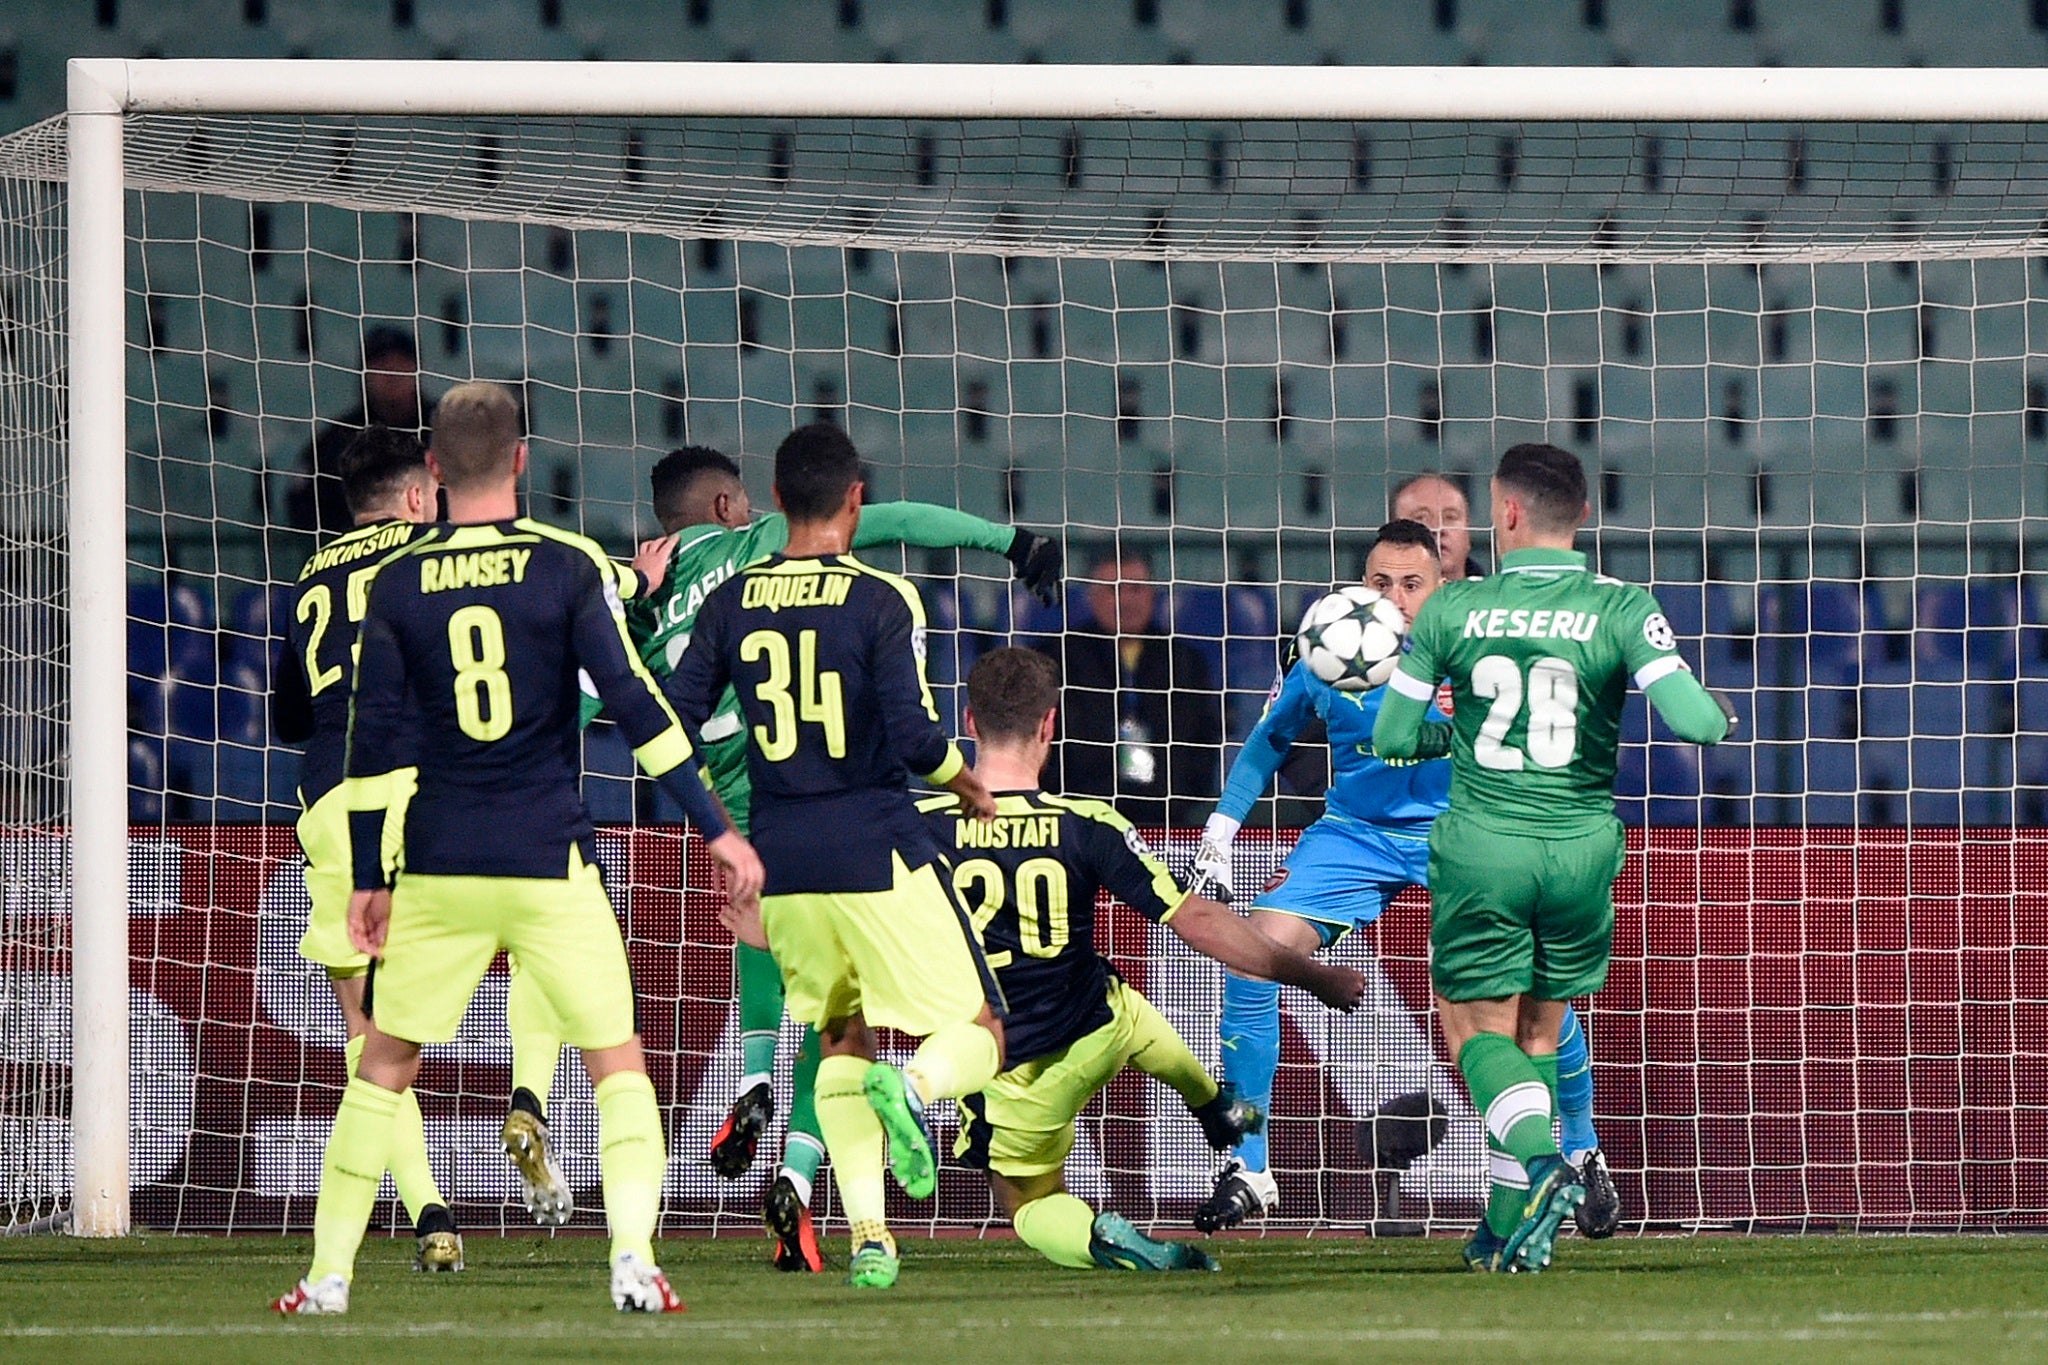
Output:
x=1212 y=313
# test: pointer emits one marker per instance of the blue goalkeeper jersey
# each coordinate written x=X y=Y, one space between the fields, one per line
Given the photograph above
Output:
x=1402 y=793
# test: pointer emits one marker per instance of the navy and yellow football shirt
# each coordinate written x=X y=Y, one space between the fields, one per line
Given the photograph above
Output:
x=1029 y=879
x=827 y=658
x=318 y=676
x=473 y=639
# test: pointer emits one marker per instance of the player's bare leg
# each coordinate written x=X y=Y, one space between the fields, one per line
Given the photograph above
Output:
x=536 y=1049
x=634 y=1162
x=438 y=1243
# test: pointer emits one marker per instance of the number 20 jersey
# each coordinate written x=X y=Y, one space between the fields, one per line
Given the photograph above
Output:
x=827 y=658
x=1029 y=879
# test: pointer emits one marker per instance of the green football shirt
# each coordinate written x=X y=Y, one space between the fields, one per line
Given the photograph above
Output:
x=706 y=556
x=1539 y=659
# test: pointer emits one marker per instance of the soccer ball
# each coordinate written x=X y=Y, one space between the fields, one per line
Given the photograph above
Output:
x=1351 y=639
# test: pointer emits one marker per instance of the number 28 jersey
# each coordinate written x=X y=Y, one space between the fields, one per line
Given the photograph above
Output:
x=1539 y=658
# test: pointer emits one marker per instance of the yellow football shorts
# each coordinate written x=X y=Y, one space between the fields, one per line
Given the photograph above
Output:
x=1022 y=1124
x=445 y=930
x=905 y=958
x=330 y=878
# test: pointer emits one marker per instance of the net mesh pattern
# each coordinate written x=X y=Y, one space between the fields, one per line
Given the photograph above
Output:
x=1805 y=365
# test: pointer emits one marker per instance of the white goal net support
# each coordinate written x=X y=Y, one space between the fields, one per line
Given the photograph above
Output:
x=1206 y=319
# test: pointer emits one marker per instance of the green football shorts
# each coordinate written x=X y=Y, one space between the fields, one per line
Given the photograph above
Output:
x=1520 y=915
x=563 y=931
x=330 y=876
x=1022 y=1123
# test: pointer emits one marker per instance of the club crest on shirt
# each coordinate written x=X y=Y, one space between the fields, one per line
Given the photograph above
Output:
x=1443 y=697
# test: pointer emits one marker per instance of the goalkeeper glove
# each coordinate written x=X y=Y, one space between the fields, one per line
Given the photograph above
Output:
x=1037 y=559
x=1212 y=859
x=1727 y=708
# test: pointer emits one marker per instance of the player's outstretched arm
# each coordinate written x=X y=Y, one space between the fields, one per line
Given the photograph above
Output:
x=1694 y=712
x=1251 y=772
x=1215 y=931
x=1036 y=558
x=1650 y=649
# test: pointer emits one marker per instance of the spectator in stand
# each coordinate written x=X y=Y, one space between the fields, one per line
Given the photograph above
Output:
x=1441 y=505
x=391 y=396
x=1141 y=721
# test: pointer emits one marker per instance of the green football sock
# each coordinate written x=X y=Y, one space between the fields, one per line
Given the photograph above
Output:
x=1509 y=1093
x=536 y=1037
x=760 y=983
x=352 y=1167
x=1166 y=1056
x=1059 y=1228
x=410 y=1170
x=957 y=1060
x=853 y=1135
x=804 y=1149
x=1509 y=1191
x=632 y=1161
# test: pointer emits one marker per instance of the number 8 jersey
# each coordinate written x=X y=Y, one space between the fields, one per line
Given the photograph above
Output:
x=1540 y=657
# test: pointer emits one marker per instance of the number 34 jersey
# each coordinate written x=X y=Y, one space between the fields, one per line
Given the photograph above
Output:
x=826 y=656
x=1539 y=657
x=1029 y=879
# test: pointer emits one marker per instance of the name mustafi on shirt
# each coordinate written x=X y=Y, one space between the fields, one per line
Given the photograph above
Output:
x=1010 y=831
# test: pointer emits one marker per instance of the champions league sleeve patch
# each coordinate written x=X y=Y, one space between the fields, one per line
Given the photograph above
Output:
x=1658 y=632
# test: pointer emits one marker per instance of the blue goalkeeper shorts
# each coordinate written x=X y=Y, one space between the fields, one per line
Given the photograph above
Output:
x=1343 y=873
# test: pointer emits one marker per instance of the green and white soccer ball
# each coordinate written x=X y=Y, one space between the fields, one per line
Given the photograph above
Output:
x=1351 y=639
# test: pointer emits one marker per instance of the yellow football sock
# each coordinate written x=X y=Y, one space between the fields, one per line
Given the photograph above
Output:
x=410 y=1169
x=853 y=1138
x=633 y=1160
x=350 y=1171
x=957 y=1060
x=536 y=1037
x=1059 y=1228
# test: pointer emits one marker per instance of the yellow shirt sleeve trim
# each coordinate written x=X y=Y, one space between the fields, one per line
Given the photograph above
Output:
x=666 y=751
x=949 y=769
x=1170 y=891
x=367 y=793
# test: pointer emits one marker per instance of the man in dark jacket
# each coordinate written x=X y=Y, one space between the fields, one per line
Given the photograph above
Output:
x=1141 y=720
x=391 y=396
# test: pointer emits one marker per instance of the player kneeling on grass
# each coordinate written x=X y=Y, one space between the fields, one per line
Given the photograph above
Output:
x=469 y=651
x=1029 y=879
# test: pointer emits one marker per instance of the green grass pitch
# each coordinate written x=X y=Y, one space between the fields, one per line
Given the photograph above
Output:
x=1280 y=1300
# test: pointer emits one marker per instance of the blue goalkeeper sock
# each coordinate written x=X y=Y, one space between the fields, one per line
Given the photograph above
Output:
x=1250 y=1034
x=1574 y=1088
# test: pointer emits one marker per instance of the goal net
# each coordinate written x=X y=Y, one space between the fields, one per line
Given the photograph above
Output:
x=1802 y=359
